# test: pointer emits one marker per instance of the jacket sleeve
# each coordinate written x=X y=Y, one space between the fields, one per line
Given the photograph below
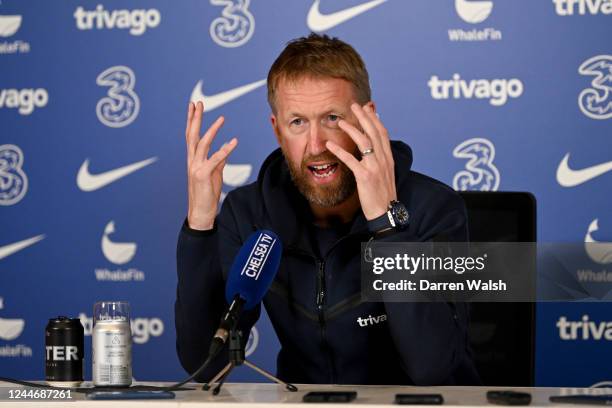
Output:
x=431 y=338
x=203 y=261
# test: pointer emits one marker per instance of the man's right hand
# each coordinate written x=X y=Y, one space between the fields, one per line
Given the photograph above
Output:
x=204 y=173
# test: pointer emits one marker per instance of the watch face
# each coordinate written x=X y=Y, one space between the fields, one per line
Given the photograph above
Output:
x=400 y=214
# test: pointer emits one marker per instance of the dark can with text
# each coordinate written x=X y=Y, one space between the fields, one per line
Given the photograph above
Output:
x=64 y=352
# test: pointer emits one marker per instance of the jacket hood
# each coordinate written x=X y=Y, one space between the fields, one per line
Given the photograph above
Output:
x=286 y=211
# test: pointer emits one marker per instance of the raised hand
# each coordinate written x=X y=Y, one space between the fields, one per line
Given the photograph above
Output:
x=374 y=173
x=204 y=172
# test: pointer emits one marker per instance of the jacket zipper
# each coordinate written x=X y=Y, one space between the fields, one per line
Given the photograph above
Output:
x=321 y=298
x=320 y=301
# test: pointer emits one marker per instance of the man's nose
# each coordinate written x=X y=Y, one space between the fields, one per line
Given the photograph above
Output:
x=316 y=140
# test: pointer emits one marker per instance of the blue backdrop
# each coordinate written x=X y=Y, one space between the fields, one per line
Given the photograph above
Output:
x=491 y=95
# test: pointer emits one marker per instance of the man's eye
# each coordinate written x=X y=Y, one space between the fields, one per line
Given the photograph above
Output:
x=333 y=118
x=297 y=122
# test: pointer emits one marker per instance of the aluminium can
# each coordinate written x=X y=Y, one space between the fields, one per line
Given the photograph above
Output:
x=112 y=353
x=64 y=352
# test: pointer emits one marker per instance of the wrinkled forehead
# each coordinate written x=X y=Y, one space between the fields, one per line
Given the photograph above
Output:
x=313 y=95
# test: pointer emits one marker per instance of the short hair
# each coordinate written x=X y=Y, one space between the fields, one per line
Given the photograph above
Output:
x=319 y=56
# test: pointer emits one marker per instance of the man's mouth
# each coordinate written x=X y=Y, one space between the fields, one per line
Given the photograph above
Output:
x=323 y=170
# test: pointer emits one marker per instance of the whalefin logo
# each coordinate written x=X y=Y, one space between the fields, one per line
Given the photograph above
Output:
x=318 y=22
x=480 y=173
x=252 y=342
x=10 y=329
x=600 y=252
x=596 y=102
x=91 y=182
x=9 y=25
x=473 y=12
x=568 y=177
x=217 y=100
x=235 y=175
x=116 y=252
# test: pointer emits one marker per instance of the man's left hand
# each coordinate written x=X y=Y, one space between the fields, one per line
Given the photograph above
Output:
x=374 y=173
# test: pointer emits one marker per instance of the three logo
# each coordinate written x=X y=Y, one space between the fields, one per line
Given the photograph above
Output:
x=480 y=173
x=596 y=102
x=235 y=26
x=13 y=180
x=121 y=105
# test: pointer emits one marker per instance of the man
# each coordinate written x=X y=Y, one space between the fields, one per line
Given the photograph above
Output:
x=336 y=181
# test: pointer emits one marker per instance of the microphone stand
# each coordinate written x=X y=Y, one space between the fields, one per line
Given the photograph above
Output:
x=236 y=358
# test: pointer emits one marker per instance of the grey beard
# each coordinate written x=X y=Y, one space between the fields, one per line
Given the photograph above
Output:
x=324 y=196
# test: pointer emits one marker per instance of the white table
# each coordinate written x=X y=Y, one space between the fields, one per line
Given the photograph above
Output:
x=264 y=395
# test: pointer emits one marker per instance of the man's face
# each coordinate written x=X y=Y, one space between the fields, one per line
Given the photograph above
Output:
x=307 y=115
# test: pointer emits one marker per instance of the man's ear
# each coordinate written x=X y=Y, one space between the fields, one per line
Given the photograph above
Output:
x=372 y=105
x=274 y=123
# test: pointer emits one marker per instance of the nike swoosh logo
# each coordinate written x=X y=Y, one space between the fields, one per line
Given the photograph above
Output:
x=18 y=246
x=571 y=178
x=320 y=22
x=90 y=182
x=214 y=101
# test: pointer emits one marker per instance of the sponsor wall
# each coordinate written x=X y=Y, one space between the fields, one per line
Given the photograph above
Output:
x=491 y=95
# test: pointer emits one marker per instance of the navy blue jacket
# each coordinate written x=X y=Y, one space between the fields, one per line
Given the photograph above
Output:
x=314 y=302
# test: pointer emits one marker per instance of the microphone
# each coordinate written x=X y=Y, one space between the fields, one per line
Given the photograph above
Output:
x=248 y=281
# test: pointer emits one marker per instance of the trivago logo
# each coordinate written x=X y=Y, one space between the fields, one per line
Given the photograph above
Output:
x=24 y=100
x=582 y=7
x=497 y=91
x=584 y=329
x=143 y=328
x=137 y=21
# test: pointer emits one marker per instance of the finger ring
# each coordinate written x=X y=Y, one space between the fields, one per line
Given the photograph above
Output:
x=367 y=151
